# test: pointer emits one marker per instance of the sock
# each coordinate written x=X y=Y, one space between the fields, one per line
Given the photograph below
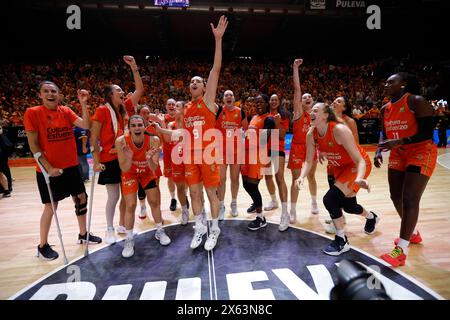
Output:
x=221 y=204
x=340 y=233
x=159 y=226
x=415 y=231
x=293 y=207
x=284 y=208
x=184 y=208
x=260 y=215
x=172 y=195
x=215 y=224
x=130 y=234
x=314 y=199
x=198 y=221
x=234 y=200
x=142 y=202
x=404 y=245
x=370 y=215
x=274 y=197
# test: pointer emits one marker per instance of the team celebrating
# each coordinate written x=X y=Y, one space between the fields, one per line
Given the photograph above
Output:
x=201 y=139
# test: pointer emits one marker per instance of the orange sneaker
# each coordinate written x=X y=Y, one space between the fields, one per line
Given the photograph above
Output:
x=415 y=239
x=395 y=258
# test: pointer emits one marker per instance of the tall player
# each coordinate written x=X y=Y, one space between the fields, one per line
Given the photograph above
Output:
x=198 y=118
x=301 y=124
x=230 y=121
x=407 y=127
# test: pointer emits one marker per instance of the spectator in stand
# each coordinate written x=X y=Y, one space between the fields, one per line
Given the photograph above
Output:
x=5 y=152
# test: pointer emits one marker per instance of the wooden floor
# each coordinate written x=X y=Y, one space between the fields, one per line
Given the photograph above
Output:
x=428 y=263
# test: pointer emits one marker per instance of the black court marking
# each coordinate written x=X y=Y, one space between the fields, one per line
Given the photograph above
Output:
x=263 y=264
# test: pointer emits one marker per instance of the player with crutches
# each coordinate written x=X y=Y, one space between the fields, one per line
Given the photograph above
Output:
x=51 y=140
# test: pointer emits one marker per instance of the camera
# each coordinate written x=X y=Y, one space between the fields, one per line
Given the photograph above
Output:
x=353 y=284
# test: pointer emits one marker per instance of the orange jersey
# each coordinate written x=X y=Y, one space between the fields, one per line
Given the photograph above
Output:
x=139 y=163
x=255 y=125
x=230 y=125
x=284 y=124
x=107 y=134
x=399 y=120
x=55 y=134
x=336 y=154
x=197 y=120
x=300 y=128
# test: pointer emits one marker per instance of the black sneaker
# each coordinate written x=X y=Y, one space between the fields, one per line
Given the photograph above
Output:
x=251 y=209
x=337 y=246
x=187 y=203
x=46 y=253
x=92 y=238
x=173 y=205
x=7 y=194
x=369 y=227
x=258 y=223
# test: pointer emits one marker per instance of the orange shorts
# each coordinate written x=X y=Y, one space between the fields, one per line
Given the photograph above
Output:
x=178 y=173
x=347 y=174
x=130 y=182
x=422 y=155
x=297 y=156
x=196 y=171
x=252 y=170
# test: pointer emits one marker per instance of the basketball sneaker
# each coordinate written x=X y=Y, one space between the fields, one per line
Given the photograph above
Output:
x=128 y=249
x=416 y=238
x=110 y=235
x=222 y=212
x=92 y=238
x=234 y=211
x=162 y=237
x=337 y=246
x=258 y=223
x=198 y=236
x=46 y=253
x=395 y=258
x=369 y=227
x=252 y=208
x=212 y=239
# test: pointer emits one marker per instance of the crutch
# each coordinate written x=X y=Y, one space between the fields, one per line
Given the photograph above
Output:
x=86 y=251
x=47 y=181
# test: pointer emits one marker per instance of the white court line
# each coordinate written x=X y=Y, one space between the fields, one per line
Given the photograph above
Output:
x=444 y=160
x=408 y=277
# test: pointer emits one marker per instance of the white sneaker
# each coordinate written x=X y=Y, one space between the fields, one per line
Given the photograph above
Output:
x=234 y=211
x=198 y=236
x=110 y=235
x=121 y=230
x=284 y=222
x=128 y=250
x=293 y=217
x=212 y=239
x=221 y=213
x=184 y=217
x=314 y=208
x=272 y=205
x=143 y=212
x=163 y=238
x=330 y=228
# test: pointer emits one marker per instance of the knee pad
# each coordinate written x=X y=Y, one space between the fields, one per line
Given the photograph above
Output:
x=332 y=201
x=253 y=191
x=81 y=208
x=141 y=192
x=351 y=206
x=331 y=181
